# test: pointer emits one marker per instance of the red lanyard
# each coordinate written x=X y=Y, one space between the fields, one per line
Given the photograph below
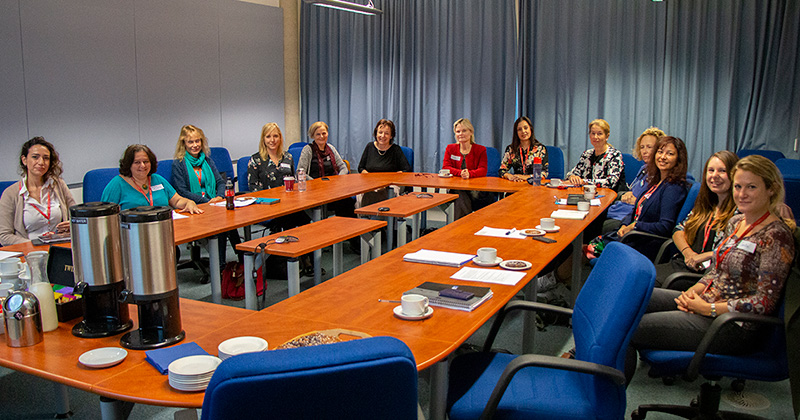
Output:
x=49 y=202
x=149 y=190
x=722 y=257
x=524 y=159
x=707 y=232
x=199 y=172
x=644 y=197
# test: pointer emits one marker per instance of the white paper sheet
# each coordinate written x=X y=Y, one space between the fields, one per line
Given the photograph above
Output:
x=427 y=256
x=486 y=275
x=176 y=215
x=500 y=233
x=569 y=214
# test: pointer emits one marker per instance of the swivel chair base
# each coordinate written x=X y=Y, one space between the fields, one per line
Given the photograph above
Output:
x=705 y=408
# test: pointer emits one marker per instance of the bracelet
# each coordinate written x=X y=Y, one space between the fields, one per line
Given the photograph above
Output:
x=713 y=310
x=685 y=248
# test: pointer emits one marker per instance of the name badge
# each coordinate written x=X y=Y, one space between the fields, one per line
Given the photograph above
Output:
x=455 y=157
x=747 y=246
x=285 y=165
x=157 y=187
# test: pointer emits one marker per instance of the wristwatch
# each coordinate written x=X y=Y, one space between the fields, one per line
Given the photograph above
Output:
x=713 y=310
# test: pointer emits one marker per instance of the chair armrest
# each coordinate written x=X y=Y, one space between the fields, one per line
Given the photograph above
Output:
x=550 y=362
x=520 y=305
x=680 y=275
x=634 y=233
x=694 y=366
x=662 y=250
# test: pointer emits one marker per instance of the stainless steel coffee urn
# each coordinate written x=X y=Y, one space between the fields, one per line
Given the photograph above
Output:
x=97 y=261
x=148 y=260
x=22 y=319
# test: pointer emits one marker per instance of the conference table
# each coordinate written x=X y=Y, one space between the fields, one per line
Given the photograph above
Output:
x=348 y=301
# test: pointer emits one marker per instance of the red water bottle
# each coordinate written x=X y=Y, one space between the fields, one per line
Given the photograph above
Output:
x=229 y=195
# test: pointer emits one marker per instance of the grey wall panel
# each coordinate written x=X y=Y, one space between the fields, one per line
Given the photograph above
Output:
x=251 y=73
x=13 y=121
x=80 y=79
x=177 y=57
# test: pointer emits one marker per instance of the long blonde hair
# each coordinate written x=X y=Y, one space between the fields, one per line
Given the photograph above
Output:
x=262 y=148
x=706 y=200
x=767 y=171
x=180 y=148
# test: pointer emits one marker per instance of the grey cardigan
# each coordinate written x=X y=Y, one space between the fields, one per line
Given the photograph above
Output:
x=12 y=228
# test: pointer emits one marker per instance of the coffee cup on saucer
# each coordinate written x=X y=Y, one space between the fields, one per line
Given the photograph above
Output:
x=547 y=223
x=589 y=191
x=414 y=305
x=555 y=182
x=583 y=205
x=10 y=267
x=487 y=255
x=444 y=172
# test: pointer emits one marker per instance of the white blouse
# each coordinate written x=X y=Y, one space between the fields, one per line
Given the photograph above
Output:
x=40 y=217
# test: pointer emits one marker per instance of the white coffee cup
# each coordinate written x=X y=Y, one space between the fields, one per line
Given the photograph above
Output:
x=589 y=191
x=555 y=182
x=444 y=172
x=583 y=205
x=487 y=255
x=547 y=223
x=414 y=305
x=10 y=266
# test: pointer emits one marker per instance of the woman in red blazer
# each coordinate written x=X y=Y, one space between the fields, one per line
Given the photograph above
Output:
x=467 y=160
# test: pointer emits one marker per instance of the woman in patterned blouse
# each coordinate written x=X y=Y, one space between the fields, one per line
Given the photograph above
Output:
x=602 y=164
x=517 y=162
x=748 y=272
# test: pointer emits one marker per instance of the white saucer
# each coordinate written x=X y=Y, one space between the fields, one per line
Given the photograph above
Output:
x=445 y=176
x=532 y=232
x=103 y=357
x=497 y=260
x=505 y=264
x=398 y=312
x=190 y=366
x=241 y=345
x=554 y=229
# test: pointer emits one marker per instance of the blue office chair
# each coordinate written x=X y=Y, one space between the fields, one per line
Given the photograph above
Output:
x=370 y=378
x=5 y=184
x=790 y=168
x=409 y=152
x=224 y=163
x=632 y=166
x=498 y=385
x=95 y=181
x=165 y=169
x=295 y=149
x=241 y=173
x=493 y=161
x=772 y=155
x=555 y=162
x=792 y=199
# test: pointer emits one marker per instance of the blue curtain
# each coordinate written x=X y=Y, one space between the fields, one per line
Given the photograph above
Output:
x=422 y=64
x=719 y=75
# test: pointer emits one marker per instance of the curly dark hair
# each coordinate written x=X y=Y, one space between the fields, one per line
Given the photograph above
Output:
x=130 y=154
x=678 y=172
x=54 y=171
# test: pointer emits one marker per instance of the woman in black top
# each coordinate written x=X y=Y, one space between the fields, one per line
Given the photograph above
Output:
x=381 y=155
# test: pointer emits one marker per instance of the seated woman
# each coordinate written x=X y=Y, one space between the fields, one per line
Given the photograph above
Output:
x=467 y=159
x=39 y=203
x=195 y=176
x=517 y=162
x=656 y=210
x=381 y=155
x=704 y=226
x=266 y=170
x=642 y=150
x=601 y=165
x=320 y=159
x=139 y=185
x=748 y=272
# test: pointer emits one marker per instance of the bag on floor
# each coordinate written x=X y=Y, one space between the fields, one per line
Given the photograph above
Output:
x=233 y=281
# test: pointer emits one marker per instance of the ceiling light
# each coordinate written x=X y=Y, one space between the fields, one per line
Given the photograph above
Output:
x=368 y=9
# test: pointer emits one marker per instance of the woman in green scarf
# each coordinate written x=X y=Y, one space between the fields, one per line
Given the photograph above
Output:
x=195 y=176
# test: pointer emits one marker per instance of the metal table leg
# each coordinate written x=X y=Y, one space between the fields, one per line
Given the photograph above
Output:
x=213 y=267
x=337 y=259
x=293 y=274
x=250 y=298
x=402 y=231
x=111 y=409
x=449 y=210
x=389 y=233
x=529 y=320
x=577 y=267
x=415 y=222
x=439 y=385
x=366 y=244
x=376 y=247
x=61 y=394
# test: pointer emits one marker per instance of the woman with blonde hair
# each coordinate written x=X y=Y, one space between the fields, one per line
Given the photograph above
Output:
x=267 y=168
x=643 y=150
x=601 y=165
x=467 y=159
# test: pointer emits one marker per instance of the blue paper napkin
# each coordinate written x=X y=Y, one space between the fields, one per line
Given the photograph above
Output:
x=161 y=358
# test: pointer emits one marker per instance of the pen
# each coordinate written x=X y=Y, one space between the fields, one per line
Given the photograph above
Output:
x=511 y=231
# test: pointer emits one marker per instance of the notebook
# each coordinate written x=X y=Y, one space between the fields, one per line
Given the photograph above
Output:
x=431 y=291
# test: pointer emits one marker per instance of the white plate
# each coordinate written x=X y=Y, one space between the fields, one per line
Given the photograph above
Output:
x=398 y=312
x=194 y=365
x=241 y=345
x=532 y=232
x=556 y=228
x=505 y=265
x=446 y=176
x=497 y=260
x=103 y=357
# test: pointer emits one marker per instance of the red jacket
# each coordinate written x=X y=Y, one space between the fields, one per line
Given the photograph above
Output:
x=476 y=160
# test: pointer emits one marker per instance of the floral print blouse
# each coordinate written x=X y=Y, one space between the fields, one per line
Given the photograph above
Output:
x=512 y=160
x=264 y=174
x=605 y=173
x=751 y=281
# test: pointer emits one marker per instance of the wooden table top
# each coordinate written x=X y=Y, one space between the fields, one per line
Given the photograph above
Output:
x=314 y=236
x=407 y=204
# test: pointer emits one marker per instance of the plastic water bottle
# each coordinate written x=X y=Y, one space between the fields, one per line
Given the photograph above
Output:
x=229 y=195
x=536 y=177
x=301 y=179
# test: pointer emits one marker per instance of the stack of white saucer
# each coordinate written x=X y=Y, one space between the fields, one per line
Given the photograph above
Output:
x=192 y=373
x=241 y=345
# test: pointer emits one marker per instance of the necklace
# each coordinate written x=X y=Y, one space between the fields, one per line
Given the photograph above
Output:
x=381 y=152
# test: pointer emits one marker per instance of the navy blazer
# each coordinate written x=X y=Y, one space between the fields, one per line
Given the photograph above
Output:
x=660 y=211
x=180 y=180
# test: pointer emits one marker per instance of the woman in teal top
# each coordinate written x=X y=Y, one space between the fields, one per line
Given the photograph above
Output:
x=139 y=185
